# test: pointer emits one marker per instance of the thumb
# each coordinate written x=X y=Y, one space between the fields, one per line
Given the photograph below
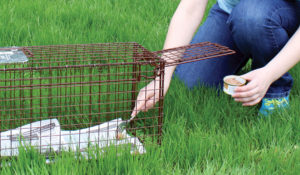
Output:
x=248 y=76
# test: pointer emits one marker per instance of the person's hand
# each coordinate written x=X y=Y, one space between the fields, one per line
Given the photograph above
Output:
x=149 y=96
x=259 y=81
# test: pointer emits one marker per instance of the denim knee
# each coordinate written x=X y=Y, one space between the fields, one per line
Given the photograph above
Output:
x=258 y=28
x=248 y=24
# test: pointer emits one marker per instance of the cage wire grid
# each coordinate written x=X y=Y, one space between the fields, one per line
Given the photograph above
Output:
x=68 y=96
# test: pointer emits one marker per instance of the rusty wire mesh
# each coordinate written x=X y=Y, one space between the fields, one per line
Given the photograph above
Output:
x=86 y=85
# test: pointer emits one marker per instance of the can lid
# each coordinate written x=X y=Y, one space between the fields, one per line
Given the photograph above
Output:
x=234 y=80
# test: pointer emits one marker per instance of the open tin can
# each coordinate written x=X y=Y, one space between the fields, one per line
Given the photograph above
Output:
x=231 y=82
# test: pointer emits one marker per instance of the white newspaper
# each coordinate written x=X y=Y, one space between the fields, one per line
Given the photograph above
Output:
x=47 y=136
x=12 y=55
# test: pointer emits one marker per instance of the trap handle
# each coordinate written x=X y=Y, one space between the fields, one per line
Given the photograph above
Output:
x=192 y=53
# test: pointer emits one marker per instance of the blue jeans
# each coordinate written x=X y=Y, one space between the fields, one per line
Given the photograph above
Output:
x=256 y=29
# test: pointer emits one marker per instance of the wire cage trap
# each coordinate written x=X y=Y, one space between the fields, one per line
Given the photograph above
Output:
x=69 y=97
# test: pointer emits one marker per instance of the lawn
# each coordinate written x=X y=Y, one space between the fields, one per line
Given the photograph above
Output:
x=205 y=132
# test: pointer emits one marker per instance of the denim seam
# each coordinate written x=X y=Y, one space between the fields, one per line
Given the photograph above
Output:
x=269 y=22
x=275 y=46
x=277 y=95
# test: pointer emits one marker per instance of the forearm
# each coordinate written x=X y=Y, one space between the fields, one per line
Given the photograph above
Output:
x=286 y=58
x=183 y=25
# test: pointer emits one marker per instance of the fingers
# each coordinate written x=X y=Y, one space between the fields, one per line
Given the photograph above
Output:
x=245 y=94
x=143 y=97
x=134 y=112
x=253 y=102
x=144 y=105
x=247 y=91
x=149 y=104
x=249 y=101
x=249 y=87
x=248 y=95
x=140 y=101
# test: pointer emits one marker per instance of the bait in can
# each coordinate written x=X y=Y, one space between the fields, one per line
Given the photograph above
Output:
x=231 y=82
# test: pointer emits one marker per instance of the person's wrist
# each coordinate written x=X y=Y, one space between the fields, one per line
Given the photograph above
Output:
x=270 y=73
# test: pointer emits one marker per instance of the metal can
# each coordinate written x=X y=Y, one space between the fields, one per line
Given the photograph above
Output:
x=231 y=82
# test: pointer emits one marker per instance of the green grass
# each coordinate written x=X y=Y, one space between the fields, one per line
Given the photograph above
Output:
x=204 y=133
